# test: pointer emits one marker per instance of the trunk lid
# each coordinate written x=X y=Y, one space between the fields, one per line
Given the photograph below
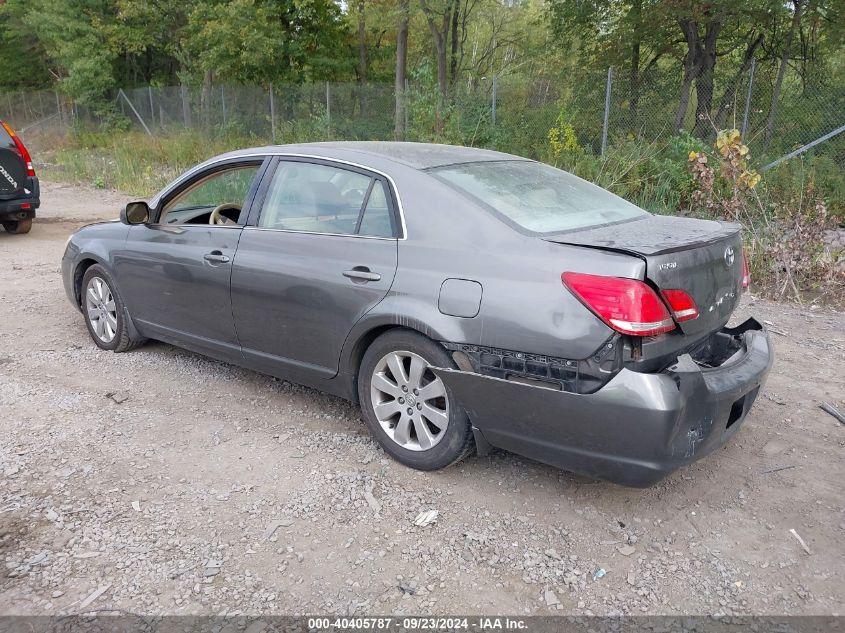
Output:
x=701 y=257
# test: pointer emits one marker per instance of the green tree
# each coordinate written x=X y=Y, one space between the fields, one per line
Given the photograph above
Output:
x=266 y=41
x=74 y=36
x=23 y=60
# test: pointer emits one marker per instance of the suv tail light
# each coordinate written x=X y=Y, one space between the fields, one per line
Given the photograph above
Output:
x=746 y=272
x=628 y=306
x=25 y=157
x=682 y=305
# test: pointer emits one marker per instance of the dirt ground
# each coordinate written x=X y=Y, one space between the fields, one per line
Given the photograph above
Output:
x=159 y=481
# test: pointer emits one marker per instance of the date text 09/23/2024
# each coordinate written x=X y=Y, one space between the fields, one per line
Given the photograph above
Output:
x=418 y=623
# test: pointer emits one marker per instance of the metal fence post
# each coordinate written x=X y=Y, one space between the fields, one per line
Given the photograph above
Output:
x=493 y=104
x=223 y=102
x=272 y=115
x=606 y=110
x=405 y=101
x=748 y=97
x=120 y=93
x=59 y=108
x=329 y=104
x=152 y=107
x=804 y=148
x=186 y=106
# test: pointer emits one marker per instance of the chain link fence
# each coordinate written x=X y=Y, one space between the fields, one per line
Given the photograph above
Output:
x=601 y=110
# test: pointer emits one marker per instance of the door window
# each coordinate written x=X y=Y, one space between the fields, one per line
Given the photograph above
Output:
x=323 y=199
x=225 y=190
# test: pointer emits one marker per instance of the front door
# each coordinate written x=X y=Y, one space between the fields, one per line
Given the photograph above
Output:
x=176 y=270
x=321 y=253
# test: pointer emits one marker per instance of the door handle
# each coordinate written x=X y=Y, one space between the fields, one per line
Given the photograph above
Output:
x=216 y=257
x=361 y=273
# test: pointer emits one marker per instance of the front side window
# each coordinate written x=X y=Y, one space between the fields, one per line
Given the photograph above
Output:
x=224 y=191
x=324 y=199
x=537 y=197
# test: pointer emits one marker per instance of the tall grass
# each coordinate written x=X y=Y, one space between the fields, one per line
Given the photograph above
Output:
x=132 y=162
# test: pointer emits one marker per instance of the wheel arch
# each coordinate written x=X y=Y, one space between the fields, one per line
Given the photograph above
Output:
x=80 y=268
x=363 y=335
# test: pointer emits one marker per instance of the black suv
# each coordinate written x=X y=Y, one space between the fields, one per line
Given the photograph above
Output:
x=19 y=192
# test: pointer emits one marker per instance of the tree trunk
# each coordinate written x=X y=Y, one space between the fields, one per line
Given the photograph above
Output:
x=442 y=81
x=683 y=103
x=636 y=18
x=439 y=35
x=704 y=82
x=784 y=59
x=401 y=72
x=690 y=31
x=453 y=61
x=362 y=57
x=699 y=64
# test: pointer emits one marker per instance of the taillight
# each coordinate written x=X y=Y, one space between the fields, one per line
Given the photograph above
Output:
x=681 y=304
x=25 y=157
x=628 y=306
x=746 y=272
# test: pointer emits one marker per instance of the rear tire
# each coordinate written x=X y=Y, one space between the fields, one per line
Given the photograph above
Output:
x=18 y=227
x=105 y=313
x=409 y=410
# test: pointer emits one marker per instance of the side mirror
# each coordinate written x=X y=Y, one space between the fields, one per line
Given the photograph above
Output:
x=135 y=213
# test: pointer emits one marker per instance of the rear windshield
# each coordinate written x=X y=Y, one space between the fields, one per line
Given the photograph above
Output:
x=536 y=197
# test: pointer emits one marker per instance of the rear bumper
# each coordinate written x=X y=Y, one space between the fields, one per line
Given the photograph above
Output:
x=636 y=429
x=23 y=207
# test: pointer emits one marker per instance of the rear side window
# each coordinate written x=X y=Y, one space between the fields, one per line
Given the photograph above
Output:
x=536 y=197
x=376 y=218
x=6 y=141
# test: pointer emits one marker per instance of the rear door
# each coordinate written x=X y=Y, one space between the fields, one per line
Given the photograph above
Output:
x=321 y=252
x=174 y=272
x=12 y=168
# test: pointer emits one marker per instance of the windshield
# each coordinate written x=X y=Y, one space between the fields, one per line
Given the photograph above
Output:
x=537 y=197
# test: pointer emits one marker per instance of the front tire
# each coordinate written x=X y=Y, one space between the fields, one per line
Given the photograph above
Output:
x=408 y=408
x=18 y=227
x=105 y=312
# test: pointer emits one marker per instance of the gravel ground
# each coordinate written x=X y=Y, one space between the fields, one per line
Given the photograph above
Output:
x=161 y=482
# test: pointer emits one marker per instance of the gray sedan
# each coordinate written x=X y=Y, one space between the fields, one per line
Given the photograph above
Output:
x=467 y=299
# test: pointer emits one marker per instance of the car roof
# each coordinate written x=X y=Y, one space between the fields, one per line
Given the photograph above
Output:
x=415 y=155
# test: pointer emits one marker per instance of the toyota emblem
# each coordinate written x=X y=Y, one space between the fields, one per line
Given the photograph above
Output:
x=729 y=256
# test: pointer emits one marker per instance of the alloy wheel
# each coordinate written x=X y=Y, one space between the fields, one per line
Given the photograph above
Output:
x=101 y=309
x=409 y=401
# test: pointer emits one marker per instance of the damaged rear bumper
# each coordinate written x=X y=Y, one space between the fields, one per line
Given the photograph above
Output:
x=636 y=429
